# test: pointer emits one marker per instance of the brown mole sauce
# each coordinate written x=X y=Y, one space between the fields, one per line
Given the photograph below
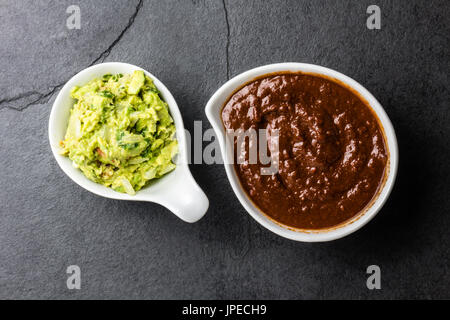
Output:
x=332 y=153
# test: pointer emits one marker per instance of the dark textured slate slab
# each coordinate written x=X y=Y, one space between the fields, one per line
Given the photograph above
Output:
x=140 y=250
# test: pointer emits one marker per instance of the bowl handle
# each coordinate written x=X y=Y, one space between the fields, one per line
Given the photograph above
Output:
x=185 y=198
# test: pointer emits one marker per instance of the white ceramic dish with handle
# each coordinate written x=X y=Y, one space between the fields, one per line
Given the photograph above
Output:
x=177 y=191
x=213 y=112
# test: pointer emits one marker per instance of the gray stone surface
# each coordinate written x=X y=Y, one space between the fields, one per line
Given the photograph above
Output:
x=140 y=250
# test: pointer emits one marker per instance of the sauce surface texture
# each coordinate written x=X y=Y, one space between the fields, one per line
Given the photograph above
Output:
x=332 y=152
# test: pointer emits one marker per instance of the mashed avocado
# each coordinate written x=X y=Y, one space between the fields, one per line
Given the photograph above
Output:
x=120 y=133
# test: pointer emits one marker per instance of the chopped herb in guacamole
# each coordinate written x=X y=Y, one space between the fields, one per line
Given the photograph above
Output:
x=120 y=133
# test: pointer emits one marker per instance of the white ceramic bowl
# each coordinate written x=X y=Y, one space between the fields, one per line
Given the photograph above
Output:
x=177 y=191
x=213 y=112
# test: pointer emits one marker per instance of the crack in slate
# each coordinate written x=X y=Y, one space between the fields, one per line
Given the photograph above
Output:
x=107 y=52
x=228 y=38
x=45 y=97
x=20 y=96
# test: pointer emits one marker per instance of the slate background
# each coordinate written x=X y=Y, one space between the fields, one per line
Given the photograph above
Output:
x=140 y=250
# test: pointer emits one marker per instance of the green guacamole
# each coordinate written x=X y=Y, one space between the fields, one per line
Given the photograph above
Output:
x=120 y=133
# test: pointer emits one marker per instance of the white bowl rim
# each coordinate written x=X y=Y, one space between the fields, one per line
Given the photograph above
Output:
x=214 y=107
